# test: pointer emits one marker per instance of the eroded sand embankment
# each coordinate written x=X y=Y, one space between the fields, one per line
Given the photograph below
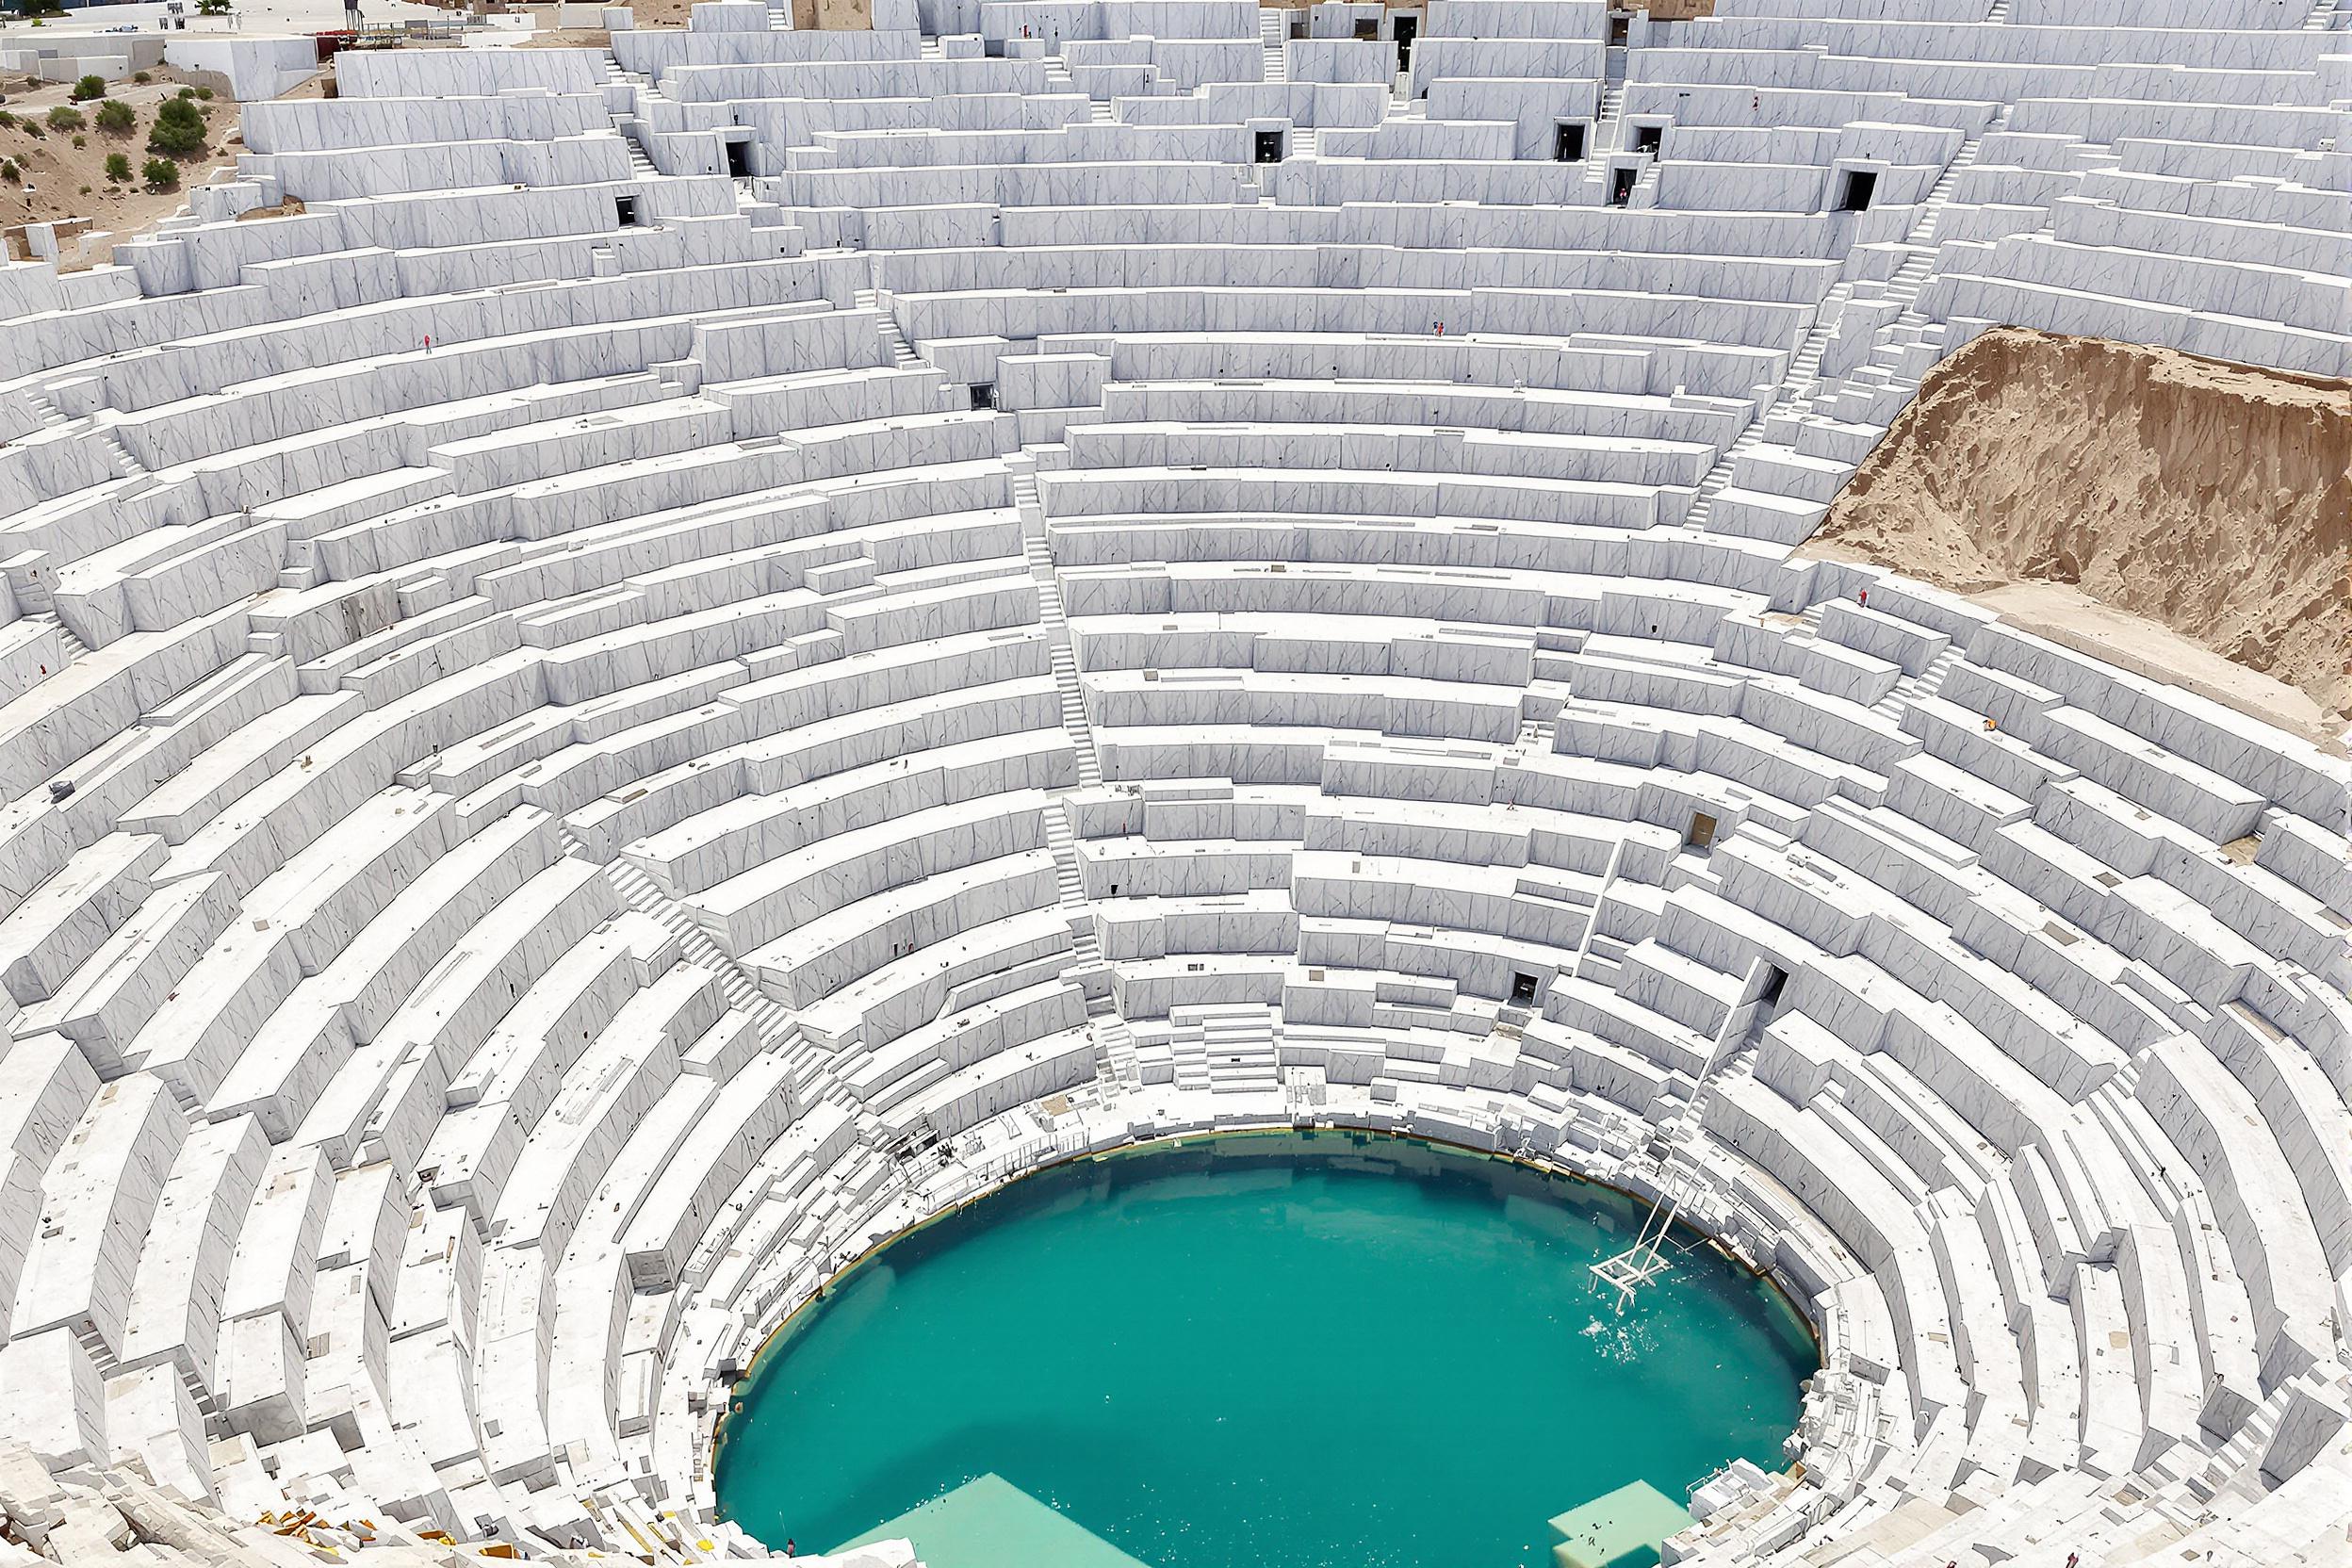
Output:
x=2211 y=503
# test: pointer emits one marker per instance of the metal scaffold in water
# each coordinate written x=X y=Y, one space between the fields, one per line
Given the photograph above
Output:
x=1637 y=1265
x=1627 y=1271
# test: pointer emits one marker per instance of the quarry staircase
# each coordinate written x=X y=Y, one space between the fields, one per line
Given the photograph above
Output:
x=618 y=76
x=903 y=353
x=639 y=891
x=1916 y=689
x=1608 y=124
x=1803 y=366
x=1223 y=1048
x=1087 y=963
x=1063 y=656
x=1902 y=290
x=1240 y=1044
x=1903 y=347
x=70 y=648
x=1273 y=38
x=1114 y=1042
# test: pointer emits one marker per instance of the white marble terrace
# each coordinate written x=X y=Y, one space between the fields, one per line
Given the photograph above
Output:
x=924 y=611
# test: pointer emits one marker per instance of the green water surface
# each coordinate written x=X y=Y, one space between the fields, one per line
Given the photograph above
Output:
x=1275 y=1351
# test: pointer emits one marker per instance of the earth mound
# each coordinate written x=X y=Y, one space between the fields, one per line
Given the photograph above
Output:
x=2213 y=499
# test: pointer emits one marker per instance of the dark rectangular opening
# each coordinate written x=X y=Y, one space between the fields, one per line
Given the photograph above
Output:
x=1648 y=139
x=1269 y=146
x=1568 y=143
x=1621 y=185
x=1702 y=834
x=624 y=211
x=1620 y=31
x=1368 y=29
x=1860 y=184
x=1407 y=30
x=1522 y=987
x=984 y=394
x=739 y=160
x=1775 y=978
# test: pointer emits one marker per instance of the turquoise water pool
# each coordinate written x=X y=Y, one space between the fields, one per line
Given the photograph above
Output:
x=1284 y=1352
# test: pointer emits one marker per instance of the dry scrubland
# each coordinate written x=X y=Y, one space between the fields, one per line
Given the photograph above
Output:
x=2213 y=499
x=57 y=170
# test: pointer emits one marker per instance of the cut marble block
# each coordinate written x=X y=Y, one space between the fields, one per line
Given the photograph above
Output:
x=184 y=1267
x=98 y=1203
x=261 y=1385
x=277 y=1243
x=150 y=1414
x=56 y=1396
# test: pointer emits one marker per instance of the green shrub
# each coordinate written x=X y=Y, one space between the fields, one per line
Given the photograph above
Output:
x=88 y=87
x=141 y=77
x=184 y=93
x=179 y=130
x=117 y=118
x=6 y=119
x=81 y=141
x=204 y=93
x=9 y=171
x=119 y=168
x=31 y=128
x=63 y=118
x=162 y=174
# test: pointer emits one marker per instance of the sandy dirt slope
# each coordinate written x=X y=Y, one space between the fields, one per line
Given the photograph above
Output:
x=2206 y=501
x=67 y=181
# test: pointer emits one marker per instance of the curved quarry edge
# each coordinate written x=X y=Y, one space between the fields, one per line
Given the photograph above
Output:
x=1725 y=1201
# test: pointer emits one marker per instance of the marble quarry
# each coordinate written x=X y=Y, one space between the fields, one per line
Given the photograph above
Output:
x=626 y=669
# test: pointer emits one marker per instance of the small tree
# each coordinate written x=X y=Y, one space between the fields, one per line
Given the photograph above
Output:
x=119 y=168
x=117 y=118
x=162 y=174
x=179 y=130
x=63 y=118
x=90 y=86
